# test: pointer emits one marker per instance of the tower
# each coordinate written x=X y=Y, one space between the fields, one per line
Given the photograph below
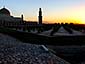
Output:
x=22 y=19
x=40 y=16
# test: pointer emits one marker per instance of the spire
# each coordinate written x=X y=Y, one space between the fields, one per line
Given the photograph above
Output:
x=39 y=9
x=4 y=6
x=40 y=16
x=40 y=12
x=3 y=1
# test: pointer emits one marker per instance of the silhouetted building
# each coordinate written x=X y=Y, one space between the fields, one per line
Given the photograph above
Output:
x=4 y=11
x=7 y=20
x=40 y=16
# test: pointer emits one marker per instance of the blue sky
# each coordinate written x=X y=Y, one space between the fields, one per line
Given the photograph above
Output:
x=53 y=10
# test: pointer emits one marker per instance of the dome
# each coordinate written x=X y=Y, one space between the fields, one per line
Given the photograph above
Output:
x=4 y=11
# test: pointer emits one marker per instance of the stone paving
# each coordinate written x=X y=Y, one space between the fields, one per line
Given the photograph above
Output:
x=13 y=51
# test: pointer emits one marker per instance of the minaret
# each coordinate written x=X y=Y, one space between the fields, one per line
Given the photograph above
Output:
x=40 y=16
x=22 y=19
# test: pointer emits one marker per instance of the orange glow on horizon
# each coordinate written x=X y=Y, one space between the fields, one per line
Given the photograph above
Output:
x=59 y=20
x=71 y=15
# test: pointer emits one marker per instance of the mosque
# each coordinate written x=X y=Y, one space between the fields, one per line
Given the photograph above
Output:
x=6 y=19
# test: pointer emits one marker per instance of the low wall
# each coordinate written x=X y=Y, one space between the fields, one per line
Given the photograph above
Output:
x=38 y=39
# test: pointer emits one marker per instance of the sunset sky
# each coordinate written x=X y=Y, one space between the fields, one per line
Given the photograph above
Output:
x=53 y=10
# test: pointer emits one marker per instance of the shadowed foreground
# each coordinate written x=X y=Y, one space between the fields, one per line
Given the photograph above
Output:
x=13 y=51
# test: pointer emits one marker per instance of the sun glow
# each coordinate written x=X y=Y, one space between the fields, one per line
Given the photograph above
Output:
x=82 y=19
x=70 y=15
x=80 y=15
